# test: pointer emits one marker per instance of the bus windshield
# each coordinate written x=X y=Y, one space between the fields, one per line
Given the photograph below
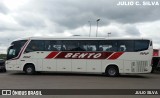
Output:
x=15 y=48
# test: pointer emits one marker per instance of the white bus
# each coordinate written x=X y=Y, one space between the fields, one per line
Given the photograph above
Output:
x=93 y=55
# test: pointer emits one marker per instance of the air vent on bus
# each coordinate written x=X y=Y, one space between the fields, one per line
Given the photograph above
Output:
x=133 y=66
x=139 y=66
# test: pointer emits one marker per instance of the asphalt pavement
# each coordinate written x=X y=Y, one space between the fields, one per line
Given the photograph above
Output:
x=18 y=80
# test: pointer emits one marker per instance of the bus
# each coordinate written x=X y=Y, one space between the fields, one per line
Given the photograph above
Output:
x=110 y=56
x=156 y=60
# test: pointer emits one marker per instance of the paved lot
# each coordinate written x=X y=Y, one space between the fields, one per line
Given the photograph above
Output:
x=14 y=80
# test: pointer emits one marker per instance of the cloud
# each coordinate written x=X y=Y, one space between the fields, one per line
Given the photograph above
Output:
x=72 y=14
x=151 y=30
x=7 y=23
x=68 y=14
x=10 y=27
x=132 y=30
x=29 y=20
x=3 y=9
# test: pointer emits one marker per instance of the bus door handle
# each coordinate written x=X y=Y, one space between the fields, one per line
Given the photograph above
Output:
x=22 y=60
x=37 y=52
x=42 y=52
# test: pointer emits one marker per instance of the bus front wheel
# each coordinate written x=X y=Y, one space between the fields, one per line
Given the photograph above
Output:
x=29 y=69
x=112 y=71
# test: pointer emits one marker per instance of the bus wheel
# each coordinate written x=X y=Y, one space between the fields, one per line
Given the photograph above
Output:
x=112 y=71
x=29 y=69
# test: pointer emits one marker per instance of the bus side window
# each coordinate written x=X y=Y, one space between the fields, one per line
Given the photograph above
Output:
x=107 y=45
x=82 y=46
x=122 y=48
x=69 y=45
x=126 y=45
x=63 y=48
x=55 y=45
x=35 y=45
x=47 y=45
x=109 y=48
x=101 y=48
x=141 y=45
x=92 y=45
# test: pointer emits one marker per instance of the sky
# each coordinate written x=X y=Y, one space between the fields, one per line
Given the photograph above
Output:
x=57 y=18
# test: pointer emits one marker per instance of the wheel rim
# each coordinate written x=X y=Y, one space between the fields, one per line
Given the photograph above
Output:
x=111 y=71
x=29 y=70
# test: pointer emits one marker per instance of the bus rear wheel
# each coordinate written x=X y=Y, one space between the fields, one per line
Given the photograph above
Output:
x=112 y=71
x=29 y=69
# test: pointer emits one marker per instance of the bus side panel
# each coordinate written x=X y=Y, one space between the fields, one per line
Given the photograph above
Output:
x=10 y=64
x=137 y=66
x=94 y=65
x=49 y=65
x=64 y=65
x=117 y=62
x=35 y=58
x=79 y=65
x=137 y=62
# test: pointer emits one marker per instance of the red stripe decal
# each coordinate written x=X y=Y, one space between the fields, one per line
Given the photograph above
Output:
x=83 y=55
x=107 y=54
x=52 y=55
x=115 y=55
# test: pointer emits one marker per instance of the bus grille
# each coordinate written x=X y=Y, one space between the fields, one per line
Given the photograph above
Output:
x=139 y=66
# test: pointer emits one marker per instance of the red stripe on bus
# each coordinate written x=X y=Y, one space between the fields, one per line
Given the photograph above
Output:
x=107 y=54
x=83 y=55
x=52 y=55
x=115 y=55
x=79 y=55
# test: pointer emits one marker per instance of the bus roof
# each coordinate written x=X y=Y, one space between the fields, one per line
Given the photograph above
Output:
x=81 y=38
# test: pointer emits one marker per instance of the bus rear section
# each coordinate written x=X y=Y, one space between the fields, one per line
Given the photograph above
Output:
x=91 y=55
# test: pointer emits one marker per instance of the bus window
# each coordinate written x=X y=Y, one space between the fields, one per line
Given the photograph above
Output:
x=35 y=45
x=141 y=45
x=126 y=45
x=108 y=45
x=11 y=52
x=92 y=45
x=70 y=45
x=82 y=46
x=54 y=45
x=15 y=48
x=122 y=48
x=47 y=45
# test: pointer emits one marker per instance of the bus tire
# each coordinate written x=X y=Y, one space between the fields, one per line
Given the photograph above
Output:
x=112 y=71
x=29 y=69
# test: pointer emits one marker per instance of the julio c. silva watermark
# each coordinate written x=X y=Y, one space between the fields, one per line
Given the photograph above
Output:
x=138 y=3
